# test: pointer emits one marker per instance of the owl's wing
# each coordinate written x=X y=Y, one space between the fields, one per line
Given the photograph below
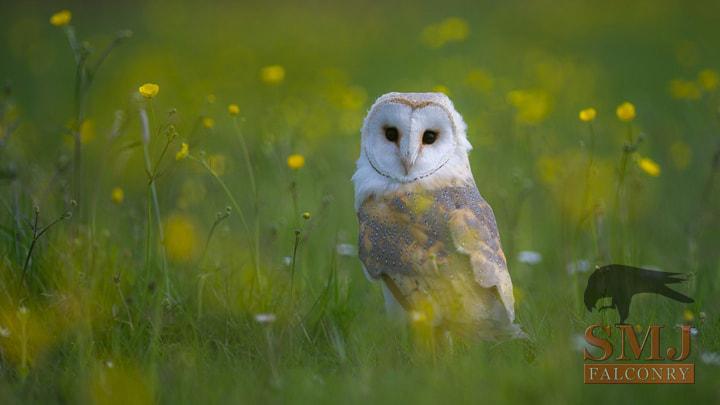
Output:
x=474 y=234
x=441 y=257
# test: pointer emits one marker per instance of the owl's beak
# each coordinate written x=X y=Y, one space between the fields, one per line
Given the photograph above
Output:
x=409 y=151
x=408 y=162
x=407 y=165
x=408 y=159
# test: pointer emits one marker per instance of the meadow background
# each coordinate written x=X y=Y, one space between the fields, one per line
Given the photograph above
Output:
x=220 y=271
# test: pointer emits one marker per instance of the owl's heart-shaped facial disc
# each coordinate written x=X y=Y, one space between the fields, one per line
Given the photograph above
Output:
x=406 y=141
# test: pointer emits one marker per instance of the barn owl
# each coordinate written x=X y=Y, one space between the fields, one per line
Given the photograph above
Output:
x=424 y=230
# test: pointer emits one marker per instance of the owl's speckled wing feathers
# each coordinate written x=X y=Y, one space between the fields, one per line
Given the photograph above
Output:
x=439 y=252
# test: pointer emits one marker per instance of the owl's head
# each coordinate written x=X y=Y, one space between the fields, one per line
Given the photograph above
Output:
x=407 y=137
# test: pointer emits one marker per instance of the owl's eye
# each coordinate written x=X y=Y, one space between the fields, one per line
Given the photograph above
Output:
x=429 y=137
x=391 y=134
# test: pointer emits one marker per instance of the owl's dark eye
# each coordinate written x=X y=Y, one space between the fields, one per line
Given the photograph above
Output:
x=391 y=133
x=429 y=137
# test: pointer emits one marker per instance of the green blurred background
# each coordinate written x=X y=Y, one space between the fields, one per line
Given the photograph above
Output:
x=100 y=328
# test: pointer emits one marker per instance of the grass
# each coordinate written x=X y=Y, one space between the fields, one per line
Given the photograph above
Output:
x=164 y=294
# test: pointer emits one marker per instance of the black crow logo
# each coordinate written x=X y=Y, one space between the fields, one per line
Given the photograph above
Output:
x=621 y=283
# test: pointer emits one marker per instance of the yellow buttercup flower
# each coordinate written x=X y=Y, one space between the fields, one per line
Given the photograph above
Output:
x=117 y=195
x=233 y=109
x=688 y=315
x=208 y=122
x=684 y=89
x=296 y=161
x=272 y=75
x=149 y=90
x=453 y=29
x=532 y=106
x=441 y=89
x=626 y=111
x=649 y=166
x=587 y=114
x=183 y=152
x=61 y=18
x=87 y=131
x=181 y=241
x=708 y=79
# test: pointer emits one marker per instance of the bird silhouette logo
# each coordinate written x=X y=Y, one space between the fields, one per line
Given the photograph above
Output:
x=621 y=283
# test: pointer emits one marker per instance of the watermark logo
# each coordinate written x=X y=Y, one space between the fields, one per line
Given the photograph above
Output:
x=658 y=367
x=634 y=361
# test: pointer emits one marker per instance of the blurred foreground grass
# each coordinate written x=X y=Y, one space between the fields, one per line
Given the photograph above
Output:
x=239 y=162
